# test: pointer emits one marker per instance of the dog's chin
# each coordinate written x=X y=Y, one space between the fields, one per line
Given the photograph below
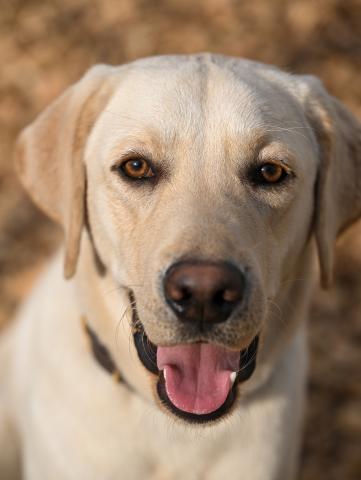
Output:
x=197 y=382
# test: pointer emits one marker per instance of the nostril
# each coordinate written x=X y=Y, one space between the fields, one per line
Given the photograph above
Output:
x=179 y=293
x=231 y=296
x=227 y=296
x=218 y=298
x=186 y=294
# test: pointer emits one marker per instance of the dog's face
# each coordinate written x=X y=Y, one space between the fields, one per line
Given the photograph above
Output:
x=200 y=188
x=201 y=200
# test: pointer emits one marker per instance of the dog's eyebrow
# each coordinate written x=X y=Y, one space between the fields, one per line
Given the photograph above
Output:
x=252 y=140
x=136 y=152
x=141 y=145
x=257 y=139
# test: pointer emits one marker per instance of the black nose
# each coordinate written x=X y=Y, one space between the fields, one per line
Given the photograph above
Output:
x=203 y=292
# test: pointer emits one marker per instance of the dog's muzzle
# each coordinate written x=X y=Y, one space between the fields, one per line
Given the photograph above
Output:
x=196 y=381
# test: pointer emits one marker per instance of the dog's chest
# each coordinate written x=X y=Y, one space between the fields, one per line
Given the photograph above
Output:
x=116 y=436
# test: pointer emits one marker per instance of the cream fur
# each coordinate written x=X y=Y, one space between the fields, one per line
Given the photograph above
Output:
x=203 y=119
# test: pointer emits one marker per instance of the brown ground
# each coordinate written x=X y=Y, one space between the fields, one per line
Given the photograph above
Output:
x=44 y=46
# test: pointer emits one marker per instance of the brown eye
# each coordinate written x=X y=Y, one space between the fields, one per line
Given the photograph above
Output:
x=137 y=168
x=270 y=173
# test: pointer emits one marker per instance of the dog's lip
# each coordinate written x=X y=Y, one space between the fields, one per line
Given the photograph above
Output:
x=147 y=353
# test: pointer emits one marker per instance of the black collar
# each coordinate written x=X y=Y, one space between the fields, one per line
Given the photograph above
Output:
x=101 y=353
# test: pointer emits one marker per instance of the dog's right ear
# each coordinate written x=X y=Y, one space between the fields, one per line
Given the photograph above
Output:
x=49 y=155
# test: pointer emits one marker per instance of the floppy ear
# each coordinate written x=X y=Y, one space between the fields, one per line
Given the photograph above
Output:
x=49 y=155
x=338 y=194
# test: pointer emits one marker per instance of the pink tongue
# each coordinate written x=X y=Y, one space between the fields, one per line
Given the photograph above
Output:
x=197 y=376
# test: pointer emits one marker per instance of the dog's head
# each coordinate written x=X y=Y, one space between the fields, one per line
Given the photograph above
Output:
x=202 y=180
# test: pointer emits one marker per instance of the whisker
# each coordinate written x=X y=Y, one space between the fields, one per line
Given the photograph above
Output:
x=118 y=326
x=243 y=367
x=146 y=350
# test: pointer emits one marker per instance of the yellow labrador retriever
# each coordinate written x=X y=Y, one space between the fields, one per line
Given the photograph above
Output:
x=194 y=192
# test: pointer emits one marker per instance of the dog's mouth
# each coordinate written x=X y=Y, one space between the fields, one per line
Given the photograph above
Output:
x=198 y=381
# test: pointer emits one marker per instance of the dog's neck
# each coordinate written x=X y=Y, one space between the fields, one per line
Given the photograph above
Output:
x=107 y=310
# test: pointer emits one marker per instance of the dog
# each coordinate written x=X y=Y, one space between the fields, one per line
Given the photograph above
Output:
x=196 y=194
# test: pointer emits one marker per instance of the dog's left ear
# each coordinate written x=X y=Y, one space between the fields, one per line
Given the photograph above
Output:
x=338 y=193
x=49 y=155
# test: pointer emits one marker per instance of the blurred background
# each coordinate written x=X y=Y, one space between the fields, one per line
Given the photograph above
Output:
x=45 y=46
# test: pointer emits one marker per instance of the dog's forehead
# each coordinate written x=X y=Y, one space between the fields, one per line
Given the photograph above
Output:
x=201 y=97
x=189 y=93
